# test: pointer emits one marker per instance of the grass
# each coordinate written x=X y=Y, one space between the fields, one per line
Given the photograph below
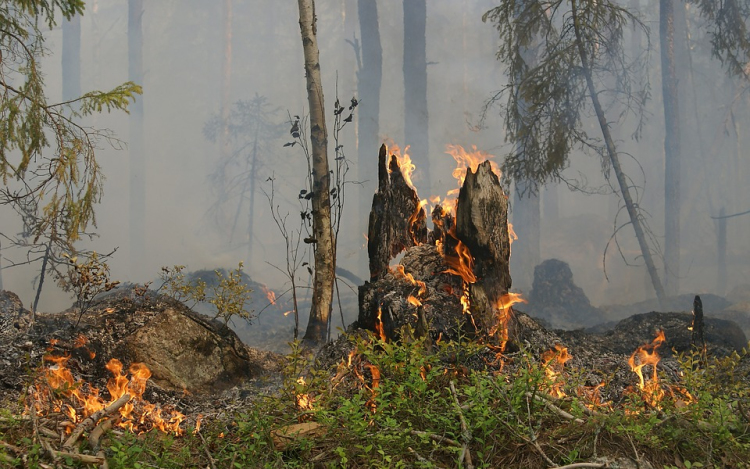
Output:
x=394 y=406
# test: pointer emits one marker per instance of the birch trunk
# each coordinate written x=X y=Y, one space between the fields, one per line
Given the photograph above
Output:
x=325 y=247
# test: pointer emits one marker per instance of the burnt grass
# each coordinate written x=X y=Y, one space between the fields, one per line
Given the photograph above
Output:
x=421 y=403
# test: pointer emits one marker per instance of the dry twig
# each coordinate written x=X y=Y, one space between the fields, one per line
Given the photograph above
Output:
x=91 y=420
x=96 y=433
x=554 y=408
x=205 y=449
x=581 y=465
x=438 y=438
x=465 y=431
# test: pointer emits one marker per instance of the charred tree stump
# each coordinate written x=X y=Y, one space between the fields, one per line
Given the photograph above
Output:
x=460 y=267
x=482 y=225
x=397 y=221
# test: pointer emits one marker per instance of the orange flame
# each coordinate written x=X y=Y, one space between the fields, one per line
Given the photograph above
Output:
x=57 y=380
x=647 y=355
x=270 y=294
x=553 y=362
x=404 y=162
x=379 y=326
x=414 y=301
x=503 y=314
x=304 y=401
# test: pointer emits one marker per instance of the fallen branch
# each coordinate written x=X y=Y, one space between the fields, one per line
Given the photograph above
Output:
x=554 y=408
x=11 y=447
x=211 y=461
x=438 y=438
x=465 y=431
x=84 y=458
x=92 y=419
x=96 y=433
x=581 y=464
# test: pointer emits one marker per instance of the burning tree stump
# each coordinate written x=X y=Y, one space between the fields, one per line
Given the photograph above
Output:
x=451 y=281
x=482 y=225
x=397 y=220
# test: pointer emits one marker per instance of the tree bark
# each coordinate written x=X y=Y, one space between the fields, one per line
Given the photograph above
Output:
x=226 y=84
x=369 y=78
x=71 y=58
x=612 y=153
x=136 y=143
x=325 y=246
x=415 y=88
x=671 y=148
x=397 y=221
x=482 y=225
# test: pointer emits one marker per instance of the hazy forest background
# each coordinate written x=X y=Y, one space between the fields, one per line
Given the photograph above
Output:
x=199 y=58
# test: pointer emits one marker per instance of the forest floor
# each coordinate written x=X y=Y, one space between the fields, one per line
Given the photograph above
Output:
x=548 y=400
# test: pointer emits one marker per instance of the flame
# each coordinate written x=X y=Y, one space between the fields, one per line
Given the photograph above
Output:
x=647 y=355
x=553 y=362
x=404 y=162
x=57 y=382
x=379 y=326
x=413 y=219
x=592 y=395
x=466 y=160
x=512 y=236
x=414 y=301
x=270 y=294
x=304 y=401
x=503 y=315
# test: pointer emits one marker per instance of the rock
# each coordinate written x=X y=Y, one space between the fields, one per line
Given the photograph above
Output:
x=557 y=300
x=13 y=316
x=186 y=351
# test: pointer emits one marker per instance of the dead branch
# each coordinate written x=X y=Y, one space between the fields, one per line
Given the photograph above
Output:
x=84 y=458
x=438 y=438
x=104 y=464
x=211 y=461
x=581 y=464
x=91 y=420
x=554 y=408
x=465 y=431
x=96 y=434
x=11 y=447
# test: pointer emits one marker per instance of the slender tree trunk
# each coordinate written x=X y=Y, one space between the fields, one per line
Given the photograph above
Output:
x=369 y=78
x=136 y=144
x=71 y=58
x=415 y=87
x=251 y=198
x=526 y=252
x=325 y=246
x=612 y=153
x=671 y=148
x=526 y=207
x=226 y=82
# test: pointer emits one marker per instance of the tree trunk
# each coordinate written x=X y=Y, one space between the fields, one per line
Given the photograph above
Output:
x=325 y=246
x=526 y=224
x=136 y=144
x=226 y=83
x=369 y=78
x=71 y=58
x=415 y=88
x=671 y=148
x=612 y=153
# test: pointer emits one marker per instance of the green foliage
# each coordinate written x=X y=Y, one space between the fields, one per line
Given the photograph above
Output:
x=726 y=22
x=547 y=98
x=47 y=162
x=391 y=405
x=229 y=295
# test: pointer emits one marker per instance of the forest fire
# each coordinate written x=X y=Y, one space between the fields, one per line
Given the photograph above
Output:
x=646 y=355
x=57 y=390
